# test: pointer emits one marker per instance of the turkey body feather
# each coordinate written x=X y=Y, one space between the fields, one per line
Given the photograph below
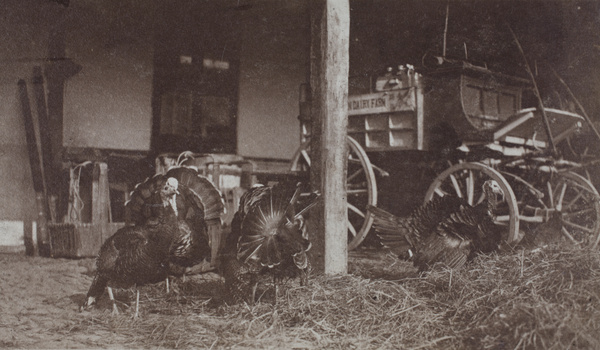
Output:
x=167 y=232
x=268 y=237
x=138 y=255
x=133 y=256
x=198 y=205
x=446 y=230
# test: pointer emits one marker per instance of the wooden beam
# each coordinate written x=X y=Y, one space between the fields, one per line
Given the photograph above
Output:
x=330 y=30
x=37 y=175
x=100 y=194
x=50 y=174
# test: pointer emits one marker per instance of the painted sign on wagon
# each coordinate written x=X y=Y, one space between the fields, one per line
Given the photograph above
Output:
x=381 y=102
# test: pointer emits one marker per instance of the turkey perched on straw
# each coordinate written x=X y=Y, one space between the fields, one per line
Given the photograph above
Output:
x=268 y=237
x=444 y=230
x=198 y=206
x=137 y=255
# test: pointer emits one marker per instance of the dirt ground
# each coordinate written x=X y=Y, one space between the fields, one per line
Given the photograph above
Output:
x=39 y=297
x=39 y=305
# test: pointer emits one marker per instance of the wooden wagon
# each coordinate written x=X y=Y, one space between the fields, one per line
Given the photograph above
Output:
x=472 y=120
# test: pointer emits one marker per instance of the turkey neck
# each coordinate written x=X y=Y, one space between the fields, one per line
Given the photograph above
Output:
x=492 y=203
x=164 y=225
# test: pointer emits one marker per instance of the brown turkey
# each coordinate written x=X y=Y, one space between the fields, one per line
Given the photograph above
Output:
x=138 y=255
x=268 y=238
x=444 y=230
x=170 y=216
x=199 y=207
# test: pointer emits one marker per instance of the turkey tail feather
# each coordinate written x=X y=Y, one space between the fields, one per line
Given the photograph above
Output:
x=390 y=229
x=261 y=227
x=141 y=204
x=203 y=190
x=294 y=199
x=312 y=201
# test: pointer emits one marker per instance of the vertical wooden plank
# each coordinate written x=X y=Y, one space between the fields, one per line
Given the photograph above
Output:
x=36 y=168
x=34 y=156
x=40 y=103
x=43 y=238
x=315 y=224
x=55 y=118
x=330 y=29
x=50 y=177
x=57 y=69
x=418 y=91
x=30 y=243
x=100 y=194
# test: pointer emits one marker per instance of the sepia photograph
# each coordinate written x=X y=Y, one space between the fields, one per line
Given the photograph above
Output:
x=300 y=174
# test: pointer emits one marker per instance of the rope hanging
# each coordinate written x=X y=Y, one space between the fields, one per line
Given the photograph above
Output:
x=75 y=202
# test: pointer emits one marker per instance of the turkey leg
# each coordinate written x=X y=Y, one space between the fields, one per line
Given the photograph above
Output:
x=112 y=299
x=137 y=302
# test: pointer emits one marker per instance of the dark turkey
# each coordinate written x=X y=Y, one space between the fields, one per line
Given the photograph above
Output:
x=138 y=255
x=444 y=230
x=199 y=207
x=268 y=237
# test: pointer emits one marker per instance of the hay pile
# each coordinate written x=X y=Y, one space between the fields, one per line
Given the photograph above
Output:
x=544 y=299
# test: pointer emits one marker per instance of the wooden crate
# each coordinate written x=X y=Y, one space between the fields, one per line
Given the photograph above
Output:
x=81 y=240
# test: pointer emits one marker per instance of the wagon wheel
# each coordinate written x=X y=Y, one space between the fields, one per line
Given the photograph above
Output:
x=465 y=180
x=361 y=188
x=577 y=204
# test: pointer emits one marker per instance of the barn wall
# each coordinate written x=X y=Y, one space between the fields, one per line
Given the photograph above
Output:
x=24 y=32
x=274 y=62
x=106 y=104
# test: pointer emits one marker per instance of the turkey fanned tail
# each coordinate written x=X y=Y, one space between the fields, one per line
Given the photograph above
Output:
x=268 y=238
x=203 y=194
x=272 y=232
x=199 y=207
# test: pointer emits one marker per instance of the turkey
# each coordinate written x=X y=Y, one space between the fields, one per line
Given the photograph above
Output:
x=268 y=237
x=198 y=206
x=444 y=230
x=138 y=255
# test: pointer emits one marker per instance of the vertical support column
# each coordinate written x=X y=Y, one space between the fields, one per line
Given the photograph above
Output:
x=100 y=196
x=37 y=173
x=330 y=30
x=50 y=188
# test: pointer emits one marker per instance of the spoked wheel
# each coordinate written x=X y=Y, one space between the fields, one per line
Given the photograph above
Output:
x=575 y=201
x=588 y=162
x=465 y=180
x=361 y=188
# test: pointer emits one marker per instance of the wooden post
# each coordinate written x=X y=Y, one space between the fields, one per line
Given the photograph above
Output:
x=100 y=196
x=37 y=174
x=50 y=187
x=330 y=29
